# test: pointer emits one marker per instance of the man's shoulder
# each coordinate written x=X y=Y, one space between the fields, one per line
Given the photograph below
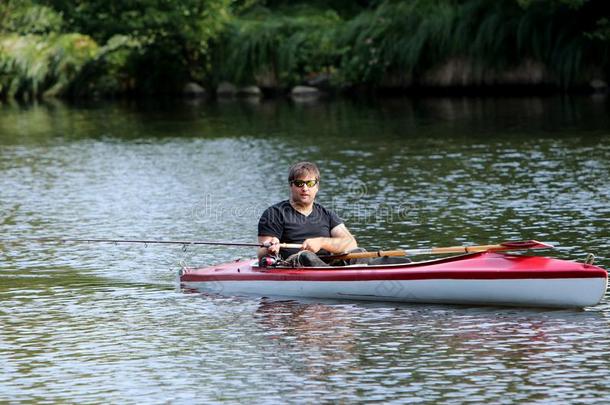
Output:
x=273 y=216
x=322 y=209
x=329 y=214
x=280 y=206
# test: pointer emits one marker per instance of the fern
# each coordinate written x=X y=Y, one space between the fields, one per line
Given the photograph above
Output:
x=33 y=64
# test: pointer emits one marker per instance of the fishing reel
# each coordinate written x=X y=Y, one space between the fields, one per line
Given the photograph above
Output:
x=268 y=261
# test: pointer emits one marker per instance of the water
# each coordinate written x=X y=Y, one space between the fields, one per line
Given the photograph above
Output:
x=104 y=323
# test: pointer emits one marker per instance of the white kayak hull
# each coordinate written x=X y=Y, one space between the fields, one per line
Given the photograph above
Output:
x=563 y=293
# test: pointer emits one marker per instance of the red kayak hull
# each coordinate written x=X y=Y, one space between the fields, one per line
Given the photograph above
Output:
x=479 y=278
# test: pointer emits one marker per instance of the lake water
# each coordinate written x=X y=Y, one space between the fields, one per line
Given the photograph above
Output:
x=92 y=323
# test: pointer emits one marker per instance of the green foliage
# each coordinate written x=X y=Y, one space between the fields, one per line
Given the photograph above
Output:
x=174 y=36
x=110 y=72
x=33 y=64
x=35 y=57
x=147 y=45
x=408 y=37
x=575 y=4
x=26 y=17
x=553 y=32
x=288 y=46
x=413 y=37
x=601 y=31
x=89 y=47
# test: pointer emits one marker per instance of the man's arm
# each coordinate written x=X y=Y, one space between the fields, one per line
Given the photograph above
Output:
x=340 y=241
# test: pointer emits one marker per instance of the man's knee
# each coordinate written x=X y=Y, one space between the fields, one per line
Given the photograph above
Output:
x=306 y=258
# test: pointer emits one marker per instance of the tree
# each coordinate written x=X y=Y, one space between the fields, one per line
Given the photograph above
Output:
x=174 y=36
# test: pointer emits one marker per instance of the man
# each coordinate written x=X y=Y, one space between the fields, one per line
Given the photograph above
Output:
x=301 y=220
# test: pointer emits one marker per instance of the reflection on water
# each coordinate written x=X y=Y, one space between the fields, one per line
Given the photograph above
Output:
x=412 y=349
x=97 y=323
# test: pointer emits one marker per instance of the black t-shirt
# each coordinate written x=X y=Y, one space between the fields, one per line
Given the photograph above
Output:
x=290 y=226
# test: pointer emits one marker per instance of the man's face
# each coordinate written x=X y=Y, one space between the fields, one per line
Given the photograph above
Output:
x=301 y=193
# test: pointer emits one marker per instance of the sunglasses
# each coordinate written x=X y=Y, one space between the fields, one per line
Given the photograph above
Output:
x=301 y=183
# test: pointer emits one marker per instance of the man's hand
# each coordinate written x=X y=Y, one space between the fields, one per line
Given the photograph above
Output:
x=313 y=244
x=274 y=249
x=341 y=241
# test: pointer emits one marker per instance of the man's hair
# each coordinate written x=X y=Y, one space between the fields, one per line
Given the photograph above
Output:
x=302 y=168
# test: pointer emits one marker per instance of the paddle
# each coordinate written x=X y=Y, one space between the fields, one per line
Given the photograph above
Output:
x=515 y=245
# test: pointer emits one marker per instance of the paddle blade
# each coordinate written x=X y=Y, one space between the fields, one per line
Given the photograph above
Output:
x=526 y=244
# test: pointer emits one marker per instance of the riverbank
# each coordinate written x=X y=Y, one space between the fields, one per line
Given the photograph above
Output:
x=210 y=48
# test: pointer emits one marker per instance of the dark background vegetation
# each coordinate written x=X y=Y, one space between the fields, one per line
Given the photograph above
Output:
x=86 y=48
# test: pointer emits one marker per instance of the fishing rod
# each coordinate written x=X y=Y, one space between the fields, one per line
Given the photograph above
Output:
x=509 y=245
x=151 y=241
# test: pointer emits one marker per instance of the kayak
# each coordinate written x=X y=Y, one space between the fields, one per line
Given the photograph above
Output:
x=484 y=278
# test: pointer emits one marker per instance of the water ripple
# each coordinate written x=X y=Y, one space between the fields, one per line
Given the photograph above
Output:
x=104 y=323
